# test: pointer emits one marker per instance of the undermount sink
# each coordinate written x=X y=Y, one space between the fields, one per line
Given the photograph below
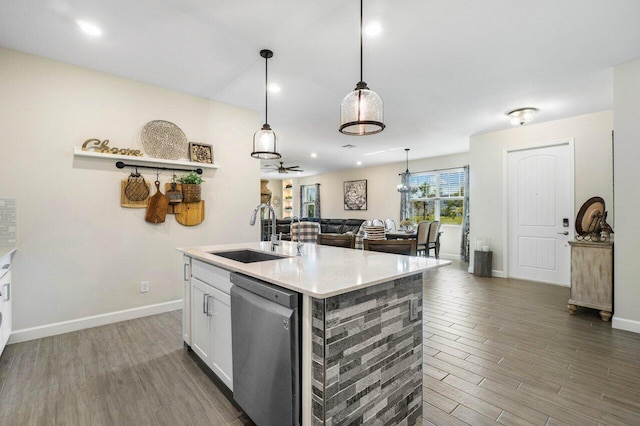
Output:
x=248 y=256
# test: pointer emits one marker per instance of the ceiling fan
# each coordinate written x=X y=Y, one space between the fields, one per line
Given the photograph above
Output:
x=281 y=168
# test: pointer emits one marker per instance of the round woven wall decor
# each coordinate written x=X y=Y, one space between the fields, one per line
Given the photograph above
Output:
x=163 y=139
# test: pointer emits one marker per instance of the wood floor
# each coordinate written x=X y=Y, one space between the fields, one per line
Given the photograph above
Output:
x=507 y=351
x=496 y=352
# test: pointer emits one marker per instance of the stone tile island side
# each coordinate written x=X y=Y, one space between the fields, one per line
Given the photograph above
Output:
x=361 y=327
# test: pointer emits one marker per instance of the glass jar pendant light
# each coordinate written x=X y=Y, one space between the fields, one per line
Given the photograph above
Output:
x=264 y=140
x=404 y=187
x=361 y=111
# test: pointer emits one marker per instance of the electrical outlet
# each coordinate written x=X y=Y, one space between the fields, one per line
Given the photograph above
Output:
x=144 y=287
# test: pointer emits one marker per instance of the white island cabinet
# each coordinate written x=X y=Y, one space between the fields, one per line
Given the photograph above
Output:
x=209 y=306
x=361 y=325
x=5 y=296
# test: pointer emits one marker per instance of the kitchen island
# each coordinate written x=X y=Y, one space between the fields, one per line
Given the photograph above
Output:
x=361 y=325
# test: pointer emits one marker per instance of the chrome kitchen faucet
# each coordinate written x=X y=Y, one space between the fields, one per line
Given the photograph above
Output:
x=272 y=215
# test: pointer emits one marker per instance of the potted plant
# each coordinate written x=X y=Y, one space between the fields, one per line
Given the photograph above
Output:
x=190 y=187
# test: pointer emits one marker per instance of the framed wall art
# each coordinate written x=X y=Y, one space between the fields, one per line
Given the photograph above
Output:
x=355 y=195
x=200 y=153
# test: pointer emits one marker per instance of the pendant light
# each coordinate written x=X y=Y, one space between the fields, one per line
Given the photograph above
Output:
x=404 y=187
x=361 y=111
x=264 y=140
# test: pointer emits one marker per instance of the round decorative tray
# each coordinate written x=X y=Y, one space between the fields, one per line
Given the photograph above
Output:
x=589 y=216
x=163 y=139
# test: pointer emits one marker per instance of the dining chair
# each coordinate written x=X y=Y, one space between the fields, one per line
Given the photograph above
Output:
x=432 y=240
x=390 y=225
x=344 y=240
x=422 y=236
x=377 y=222
x=374 y=232
x=360 y=235
x=406 y=247
x=307 y=233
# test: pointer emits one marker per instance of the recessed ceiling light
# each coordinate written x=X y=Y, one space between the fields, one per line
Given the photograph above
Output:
x=89 y=27
x=375 y=152
x=314 y=155
x=373 y=28
x=273 y=88
x=359 y=163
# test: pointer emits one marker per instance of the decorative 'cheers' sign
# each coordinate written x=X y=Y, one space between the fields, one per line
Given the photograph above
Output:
x=103 y=147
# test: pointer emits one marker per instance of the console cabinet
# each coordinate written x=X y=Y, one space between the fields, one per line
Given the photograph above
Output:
x=592 y=277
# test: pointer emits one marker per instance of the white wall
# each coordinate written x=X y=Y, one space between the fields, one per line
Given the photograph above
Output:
x=79 y=253
x=626 y=96
x=593 y=170
x=383 y=198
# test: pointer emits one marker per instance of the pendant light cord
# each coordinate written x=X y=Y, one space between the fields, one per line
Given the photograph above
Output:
x=266 y=92
x=361 y=20
x=407 y=151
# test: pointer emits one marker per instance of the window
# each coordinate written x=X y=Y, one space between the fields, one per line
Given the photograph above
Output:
x=437 y=196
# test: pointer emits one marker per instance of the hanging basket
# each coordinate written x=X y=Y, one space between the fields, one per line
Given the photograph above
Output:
x=190 y=192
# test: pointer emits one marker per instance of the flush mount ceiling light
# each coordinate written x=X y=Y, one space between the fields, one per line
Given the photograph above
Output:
x=361 y=111
x=404 y=187
x=522 y=116
x=264 y=140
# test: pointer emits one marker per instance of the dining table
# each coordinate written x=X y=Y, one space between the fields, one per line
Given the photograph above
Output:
x=401 y=235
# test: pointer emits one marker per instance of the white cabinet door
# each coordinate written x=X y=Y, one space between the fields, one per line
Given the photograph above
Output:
x=200 y=319
x=186 y=300
x=209 y=330
x=5 y=309
x=221 y=358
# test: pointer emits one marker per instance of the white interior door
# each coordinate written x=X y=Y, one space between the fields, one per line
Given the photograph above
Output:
x=540 y=216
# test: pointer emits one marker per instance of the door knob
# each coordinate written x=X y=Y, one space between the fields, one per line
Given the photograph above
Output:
x=563 y=233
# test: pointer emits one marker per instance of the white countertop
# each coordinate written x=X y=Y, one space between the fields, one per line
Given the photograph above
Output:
x=6 y=250
x=321 y=271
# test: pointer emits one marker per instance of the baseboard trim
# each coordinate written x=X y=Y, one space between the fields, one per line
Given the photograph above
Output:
x=494 y=273
x=47 y=330
x=625 y=324
x=447 y=256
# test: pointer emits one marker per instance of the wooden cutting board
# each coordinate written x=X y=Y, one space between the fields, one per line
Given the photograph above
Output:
x=125 y=202
x=189 y=214
x=157 y=207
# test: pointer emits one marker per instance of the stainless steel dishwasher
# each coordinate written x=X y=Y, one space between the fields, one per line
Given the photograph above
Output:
x=265 y=331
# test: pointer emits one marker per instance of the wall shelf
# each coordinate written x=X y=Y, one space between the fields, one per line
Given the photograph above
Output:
x=78 y=152
x=287 y=199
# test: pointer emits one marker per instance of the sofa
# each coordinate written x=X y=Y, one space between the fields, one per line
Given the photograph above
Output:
x=327 y=226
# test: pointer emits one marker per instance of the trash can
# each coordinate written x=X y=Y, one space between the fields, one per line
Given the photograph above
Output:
x=482 y=261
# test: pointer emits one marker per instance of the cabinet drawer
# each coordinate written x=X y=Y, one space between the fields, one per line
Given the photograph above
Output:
x=212 y=275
